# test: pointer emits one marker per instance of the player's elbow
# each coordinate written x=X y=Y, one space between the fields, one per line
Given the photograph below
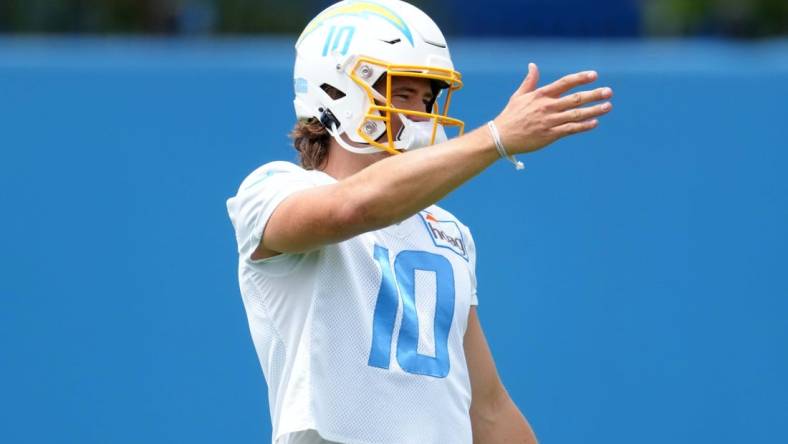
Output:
x=487 y=404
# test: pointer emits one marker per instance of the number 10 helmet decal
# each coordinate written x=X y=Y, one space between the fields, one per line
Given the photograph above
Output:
x=347 y=49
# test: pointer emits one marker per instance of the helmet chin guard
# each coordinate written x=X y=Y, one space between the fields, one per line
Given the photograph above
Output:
x=351 y=46
x=415 y=135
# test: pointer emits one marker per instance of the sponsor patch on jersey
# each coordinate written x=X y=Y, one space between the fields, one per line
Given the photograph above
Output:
x=445 y=234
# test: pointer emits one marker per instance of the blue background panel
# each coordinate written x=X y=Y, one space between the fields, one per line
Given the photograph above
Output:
x=632 y=281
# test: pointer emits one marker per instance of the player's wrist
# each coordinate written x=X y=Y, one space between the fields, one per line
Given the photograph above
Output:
x=482 y=141
x=500 y=147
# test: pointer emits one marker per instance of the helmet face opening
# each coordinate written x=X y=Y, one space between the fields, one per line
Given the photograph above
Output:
x=381 y=109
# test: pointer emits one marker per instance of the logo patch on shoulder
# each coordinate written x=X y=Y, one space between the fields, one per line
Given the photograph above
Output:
x=445 y=234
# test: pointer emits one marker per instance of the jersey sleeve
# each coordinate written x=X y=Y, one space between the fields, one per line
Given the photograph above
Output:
x=258 y=196
x=472 y=265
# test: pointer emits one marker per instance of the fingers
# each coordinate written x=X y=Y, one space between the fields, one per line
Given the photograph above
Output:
x=568 y=129
x=537 y=117
x=580 y=114
x=582 y=98
x=566 y=83
x=531 y=80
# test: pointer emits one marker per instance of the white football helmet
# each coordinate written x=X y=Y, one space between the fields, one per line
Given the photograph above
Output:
x=351 y=45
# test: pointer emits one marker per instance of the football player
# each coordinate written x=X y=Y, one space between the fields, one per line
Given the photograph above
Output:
x=360 y=292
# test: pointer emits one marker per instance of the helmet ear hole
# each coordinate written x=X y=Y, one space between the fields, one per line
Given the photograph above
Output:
x=332 y=91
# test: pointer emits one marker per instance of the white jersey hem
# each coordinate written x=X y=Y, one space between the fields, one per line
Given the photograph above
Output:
x=325 y=436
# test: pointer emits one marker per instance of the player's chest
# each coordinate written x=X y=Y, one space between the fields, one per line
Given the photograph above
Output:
x=424 y=245
x=427 y=232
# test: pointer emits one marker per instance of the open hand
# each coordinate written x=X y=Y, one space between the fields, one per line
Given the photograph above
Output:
x=535 y=118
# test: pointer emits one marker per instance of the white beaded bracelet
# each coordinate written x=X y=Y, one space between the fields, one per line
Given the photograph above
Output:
x=502 y=149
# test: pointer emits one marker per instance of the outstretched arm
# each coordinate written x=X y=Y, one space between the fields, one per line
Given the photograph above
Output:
x=494 y=416
x=395 y=188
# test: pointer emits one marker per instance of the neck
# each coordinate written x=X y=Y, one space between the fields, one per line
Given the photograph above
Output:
x=341 y=163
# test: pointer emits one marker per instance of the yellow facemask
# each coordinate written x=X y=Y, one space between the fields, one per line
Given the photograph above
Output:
x=438 y=116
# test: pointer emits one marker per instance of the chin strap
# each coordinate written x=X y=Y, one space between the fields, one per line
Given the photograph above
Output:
x=331 y=123
x=353 y=149
x=413 y=134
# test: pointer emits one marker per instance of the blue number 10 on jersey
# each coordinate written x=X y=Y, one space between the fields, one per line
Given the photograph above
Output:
x=402 y=276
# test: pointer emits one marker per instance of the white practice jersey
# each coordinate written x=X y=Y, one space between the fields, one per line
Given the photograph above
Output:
x=361 y=340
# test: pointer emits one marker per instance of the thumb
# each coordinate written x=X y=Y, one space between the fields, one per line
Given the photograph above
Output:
x=531 y=80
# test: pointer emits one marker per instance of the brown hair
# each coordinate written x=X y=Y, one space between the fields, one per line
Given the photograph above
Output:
x=311 y=140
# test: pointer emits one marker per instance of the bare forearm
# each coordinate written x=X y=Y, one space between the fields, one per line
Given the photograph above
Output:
x=395 y=188
x=502 y=422
x=398 y=187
